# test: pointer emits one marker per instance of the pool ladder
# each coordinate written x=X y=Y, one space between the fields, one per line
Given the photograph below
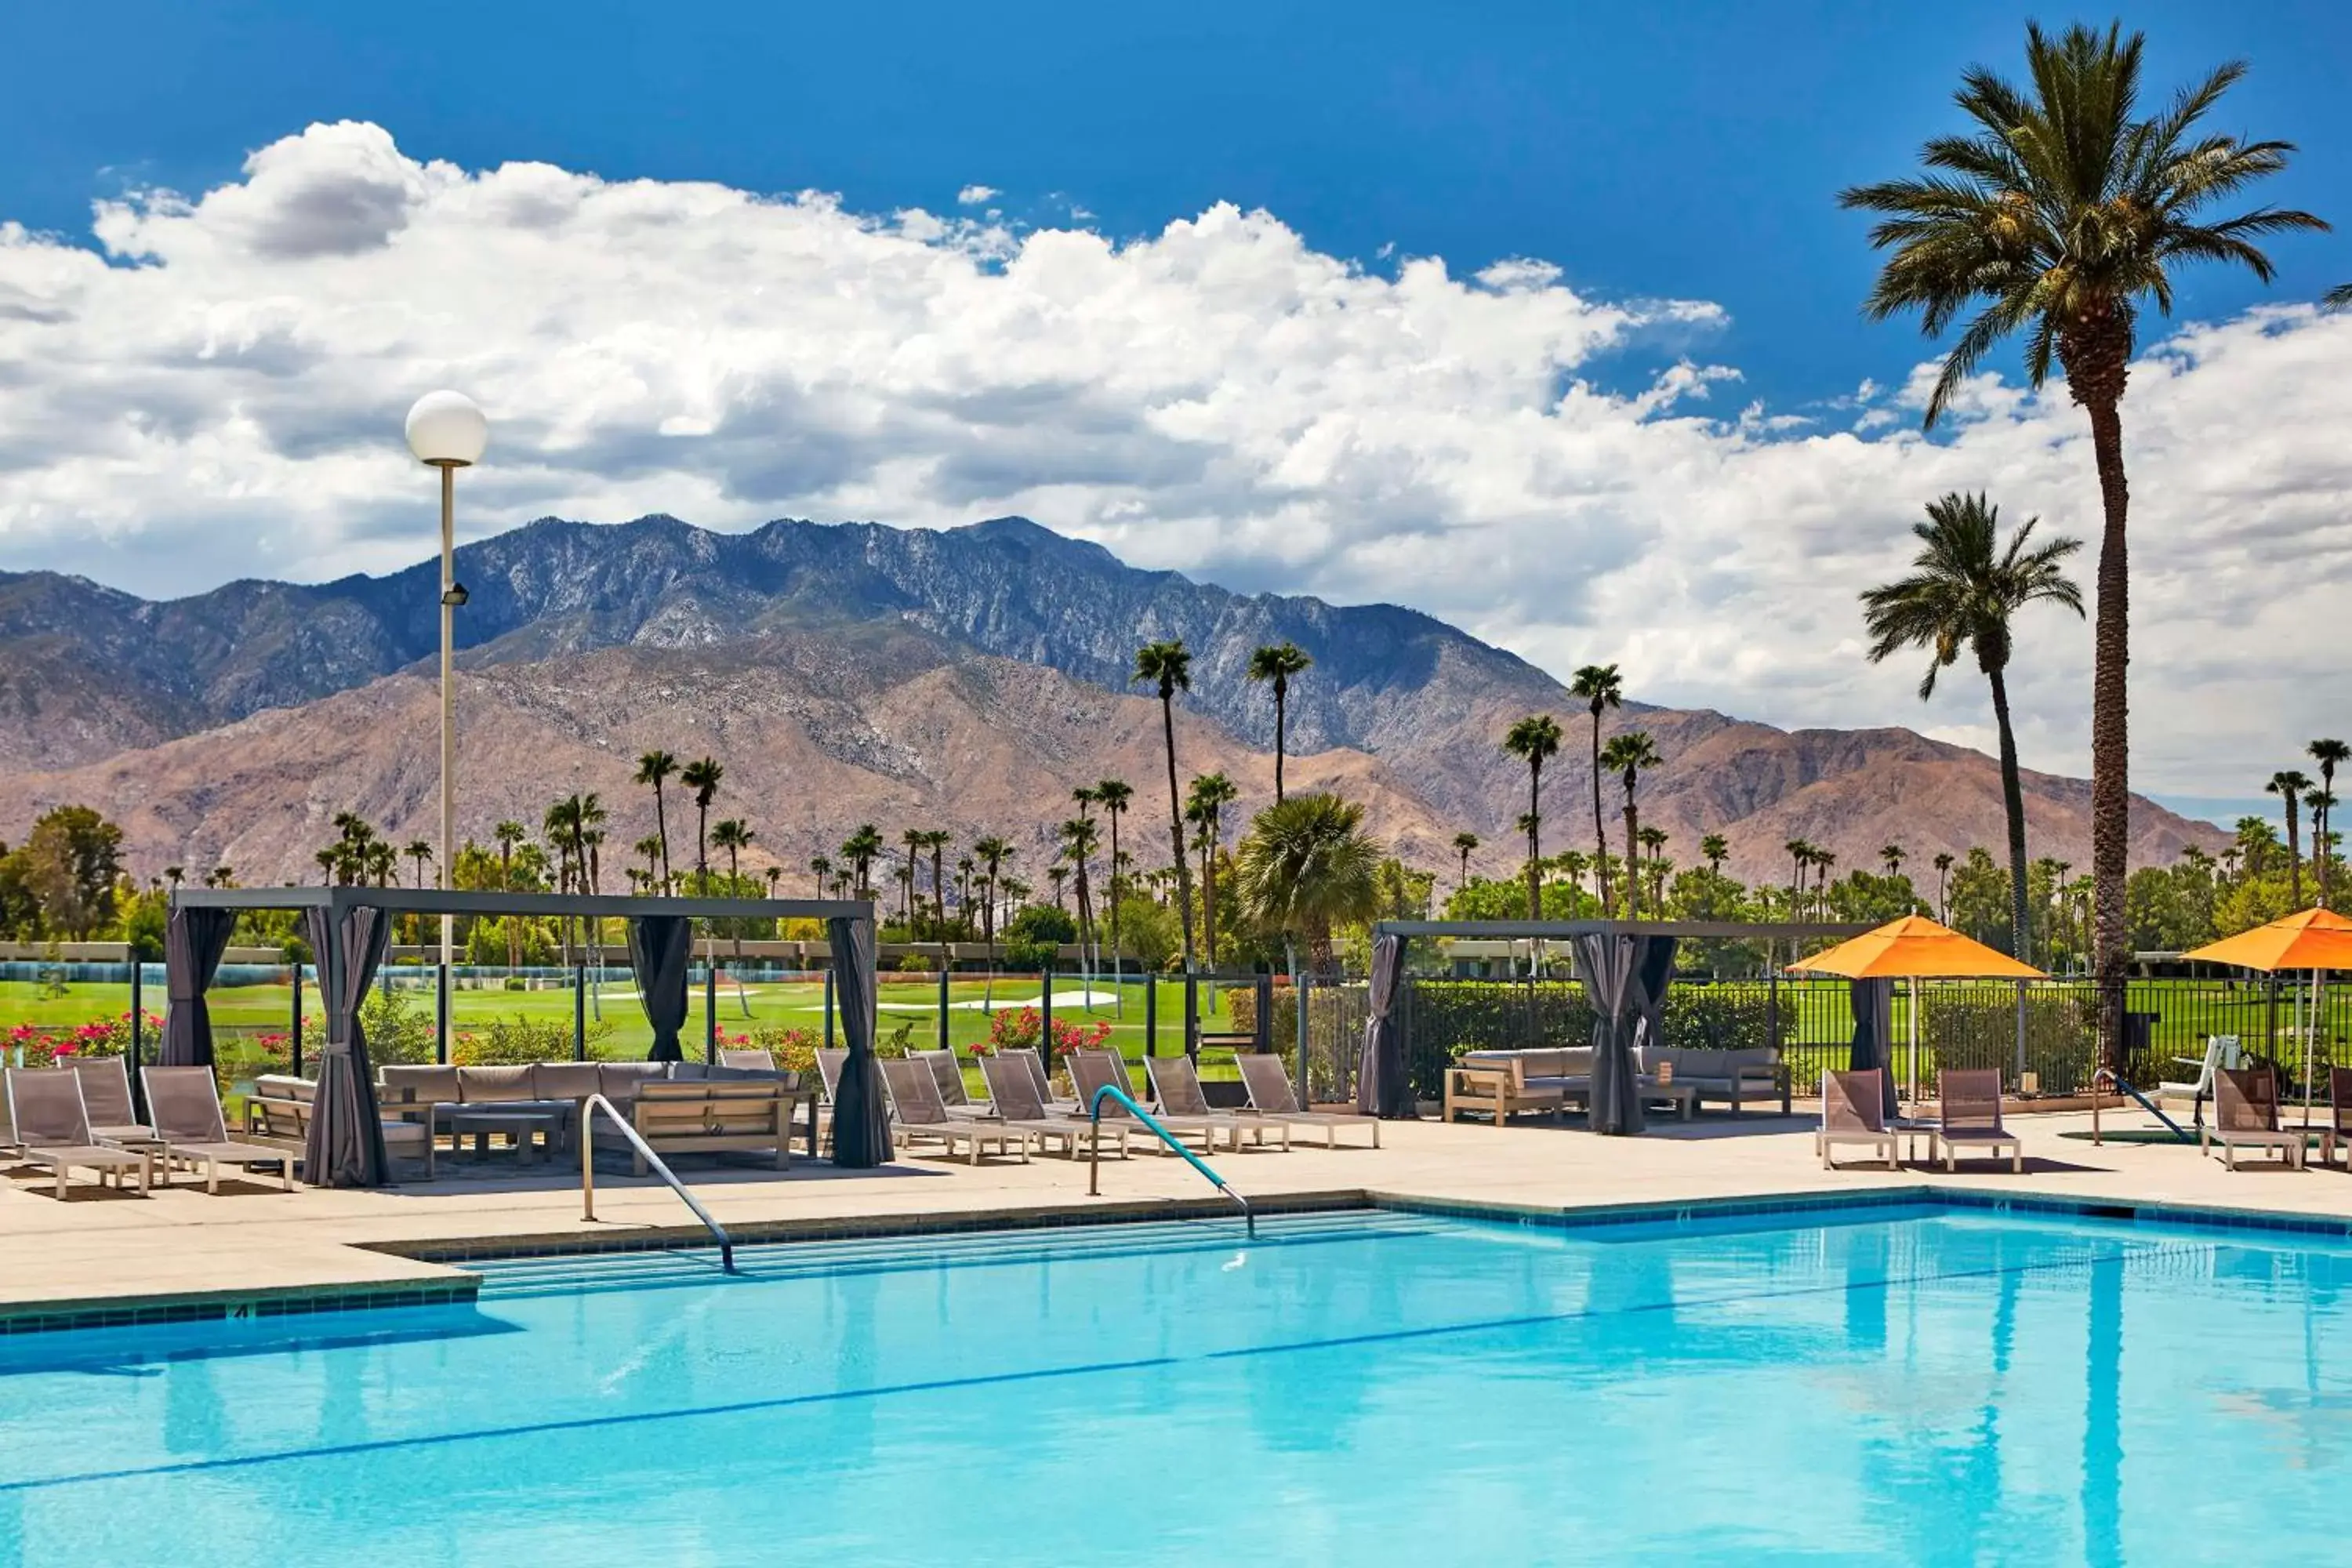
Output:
x=588 y=1108
x=1094 y=1152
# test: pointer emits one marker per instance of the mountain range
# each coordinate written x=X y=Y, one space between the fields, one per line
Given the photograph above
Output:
x=966 y=677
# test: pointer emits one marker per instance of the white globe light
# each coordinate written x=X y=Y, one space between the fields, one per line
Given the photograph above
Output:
x=447 y=428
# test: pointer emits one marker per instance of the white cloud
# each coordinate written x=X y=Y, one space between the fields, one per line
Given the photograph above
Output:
x=976 y=195
x=219 y=392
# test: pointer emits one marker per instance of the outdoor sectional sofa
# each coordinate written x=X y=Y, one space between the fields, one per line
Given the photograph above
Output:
x=748 y=1108
x=1733 y=1078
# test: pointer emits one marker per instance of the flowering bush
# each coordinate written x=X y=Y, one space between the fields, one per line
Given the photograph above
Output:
x=41 y=1046
x=1021 y=1029
x=794 y=1048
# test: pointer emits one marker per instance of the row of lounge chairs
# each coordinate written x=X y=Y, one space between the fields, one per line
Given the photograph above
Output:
x=81 y=1118
x=931 y=1103
x=1853 y=1114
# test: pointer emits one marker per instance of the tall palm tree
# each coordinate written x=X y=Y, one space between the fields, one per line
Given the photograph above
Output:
x=1626 y=756
x=1891 y=856
x=1714 y=850
x=1572 y=864
x=1169 y=666
x=650 y=847
x=935 y=843
x=1305 y=868
x=1080 y=838
x=1653 y=839
x=1463 y=843
x=1204 y=808
x=731 y=835
x=1800 y=854
x=655 y=768
x=1601 y=687
x=910 y=839
x=1276 y=663
x=2061 y=212
x=1535 y=741
x=2289 y=786
x=2328 y=754
x=2321 y=803
x=821 y=868
x=419 y=851
x=1943 y=875
x=1114 y=795
x=702 y=778
x=1059 y=875
x=1964 y=588
x=507 y=835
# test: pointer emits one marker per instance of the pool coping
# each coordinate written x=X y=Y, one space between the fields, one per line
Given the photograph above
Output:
x=462 y=1288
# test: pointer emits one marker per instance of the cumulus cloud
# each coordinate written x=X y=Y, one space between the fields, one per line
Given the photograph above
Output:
x=976 y=195
x=215 y=389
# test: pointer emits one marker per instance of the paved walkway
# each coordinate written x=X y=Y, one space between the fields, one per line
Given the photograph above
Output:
x=98 y=1248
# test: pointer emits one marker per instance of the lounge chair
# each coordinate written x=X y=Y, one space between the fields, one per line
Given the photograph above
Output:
x=2220 y=1051
x=2335 y=1132
x=1853 y=1111
x=45 y=1105
x=186 y=1108
x=948 y=1073
x=2245 y=1116
x=1270 y=1094
x=1969 y=1117
x=1092 y=1072
x=1177 y=1086
x=106 y=1095
x=830 y=1060
x=747 y=1056
x=917 y=1112
x=1012 y=1090
x=1035 y=1065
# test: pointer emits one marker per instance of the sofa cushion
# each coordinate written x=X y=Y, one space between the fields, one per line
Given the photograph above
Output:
x=484 y=1085
x=418 y=1085
x=565 y=1080
x=620 y=1080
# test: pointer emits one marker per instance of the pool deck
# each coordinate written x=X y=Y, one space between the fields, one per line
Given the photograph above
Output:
x=254 y=1244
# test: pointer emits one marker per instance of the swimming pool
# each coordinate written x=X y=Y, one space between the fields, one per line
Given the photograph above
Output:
x=1906 y=1384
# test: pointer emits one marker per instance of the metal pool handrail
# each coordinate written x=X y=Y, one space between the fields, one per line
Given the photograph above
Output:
x=588 y=1108
x=1094 y=1151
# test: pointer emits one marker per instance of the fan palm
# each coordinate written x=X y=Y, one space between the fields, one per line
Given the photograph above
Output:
x=860 y=850
x=2061 y=213
x=1275 y=663
x=1626 y=756
x=1714 y=850
x=1601 y=687
x=1114 y=796
x=1169 y=666
x=1463 y=843
x=1204 y=808
x=1305 y=867
x=1964 y=588
x=2289 y=786
x=1943 y=863
x=702 y=778
x=2328 y=754
x=420 y=852
x=655 y=768
x=1534 y=740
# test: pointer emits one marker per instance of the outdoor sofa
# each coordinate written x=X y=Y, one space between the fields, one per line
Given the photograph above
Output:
x=741 y=1109
x=1733 y=1078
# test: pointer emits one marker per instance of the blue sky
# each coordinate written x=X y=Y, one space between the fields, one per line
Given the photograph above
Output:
x=1686 y=149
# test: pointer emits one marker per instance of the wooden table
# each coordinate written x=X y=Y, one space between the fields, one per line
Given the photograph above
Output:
x=518 y=1124
x=1682 y=1096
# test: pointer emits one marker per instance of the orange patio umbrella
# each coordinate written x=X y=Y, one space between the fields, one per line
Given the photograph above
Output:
x=1916 y=948
x=2314 y=939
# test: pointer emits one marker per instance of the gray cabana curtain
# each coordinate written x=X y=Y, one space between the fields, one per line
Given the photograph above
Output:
x=1609 y=965
x=659 y=949
x=1655 y=970
x=861 y=1118
x=1382 y=1085
x=1874 y=1034
x=193 y=942
x=346 y=1144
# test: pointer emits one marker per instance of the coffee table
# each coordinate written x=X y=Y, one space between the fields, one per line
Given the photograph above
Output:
x=1682 y=1096
x=523 y=1126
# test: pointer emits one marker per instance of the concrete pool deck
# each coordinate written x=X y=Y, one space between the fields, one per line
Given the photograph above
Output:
x=257 y=1248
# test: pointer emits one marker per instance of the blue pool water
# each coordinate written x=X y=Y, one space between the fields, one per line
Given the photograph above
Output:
x=1899 y=1385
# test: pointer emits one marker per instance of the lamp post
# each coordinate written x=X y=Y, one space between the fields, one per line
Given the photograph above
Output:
x=446 y=430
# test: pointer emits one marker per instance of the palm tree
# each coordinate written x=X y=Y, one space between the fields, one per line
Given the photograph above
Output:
x=2289 y=786
x=991 y=852
x=702 y=778
x=910 y=839
x=2061 y=213
x=1305 y=867
x=1800 y=854
x=1079 y=839
x=1057 y=874
x=1965 y=586
x=1572 y=864
x=650 y=847
x=1169 y=666
x=730 y=835
x=860 y=849
x=1278 y=662
x=1714 y=850
x=1204 y=808
x=1601 y=687
x=1464 y=843
x=820 y=867
x=2321 y=803
x=775 y=876
x=1534 y=740
x=654 y=768
x=1653 y=839
x=1891 y=856
x=1943 y=873
x=1114 y=795
x=1626 y=756
x=936 y=840
x=2328 y=754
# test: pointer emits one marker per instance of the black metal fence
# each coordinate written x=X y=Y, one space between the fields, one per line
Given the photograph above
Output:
x=1961 y=1024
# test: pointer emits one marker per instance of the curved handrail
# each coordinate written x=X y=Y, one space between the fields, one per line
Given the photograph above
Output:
x=2116 y=1081
x=644 y=1151
x=1094 y=1151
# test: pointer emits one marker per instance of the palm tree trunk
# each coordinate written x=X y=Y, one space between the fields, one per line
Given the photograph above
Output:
x=1281 y=714
x=661 y=831
x=2012 y=802
x=1600 y=827
x=1534 y=840
x=2293 y=852
x=1632 y=861
x=1176 y=831
x=2110 y=729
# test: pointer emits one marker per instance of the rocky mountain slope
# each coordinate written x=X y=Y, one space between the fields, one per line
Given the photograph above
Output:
x=964 y=679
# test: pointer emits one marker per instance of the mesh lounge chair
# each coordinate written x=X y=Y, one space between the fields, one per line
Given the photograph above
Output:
x=106 y=1096
x=1969 y=1101
x=1031 y=1063
x=1091 y=1072
x=1012 y=1090
x=1270 y=1094
x=747 y=1056
x=1853 y=1111
x=948 y=1073
x=2335 y=1132
x=1178 y=1085
x=917 y=1112
x=2245 y=1116
x=830 y=1060
x=186 y=1102
x=53 y=1129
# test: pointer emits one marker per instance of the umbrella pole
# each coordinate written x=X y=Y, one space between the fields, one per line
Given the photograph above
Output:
x=1914 y=1045
x=2310 y=1028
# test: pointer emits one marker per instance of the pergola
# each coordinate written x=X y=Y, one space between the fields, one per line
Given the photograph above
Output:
x=349 y=928
x=1625 y=965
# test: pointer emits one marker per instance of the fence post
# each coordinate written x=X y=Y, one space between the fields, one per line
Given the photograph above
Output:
x=1191 y=1015
x=943 y=1003
x=1045 y=1018
x=1304 y=983
x=828 y=1007
x=2021 y=1036
x=1151 y=1017
x=441 y=1014
x=579 y=1013
x=137 y=1026
x=711 y=1010
x=294 y=1031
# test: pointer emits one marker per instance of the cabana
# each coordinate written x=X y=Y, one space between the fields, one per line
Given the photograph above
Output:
x=349 y=928
x=1625 y=965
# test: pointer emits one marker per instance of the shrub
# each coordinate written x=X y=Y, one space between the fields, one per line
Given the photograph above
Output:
x=515 y=1041
x=794 y=1048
